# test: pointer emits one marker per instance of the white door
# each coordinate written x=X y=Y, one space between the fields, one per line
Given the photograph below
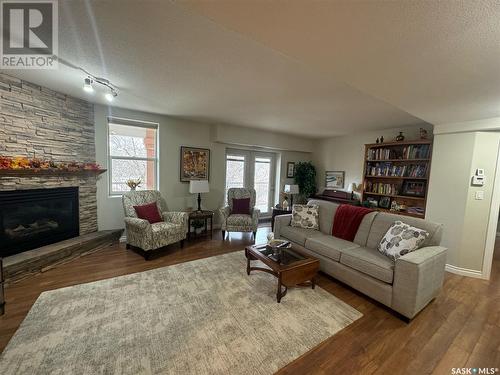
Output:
x=252 y=169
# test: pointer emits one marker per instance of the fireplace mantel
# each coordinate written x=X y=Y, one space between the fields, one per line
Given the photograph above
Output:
x=49 y=172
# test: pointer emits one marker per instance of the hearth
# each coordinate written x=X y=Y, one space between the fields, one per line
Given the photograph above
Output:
x=38 y=217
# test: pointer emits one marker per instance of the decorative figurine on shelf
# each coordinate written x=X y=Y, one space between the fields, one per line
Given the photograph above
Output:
x=133 y=184
x=394 y=206
x=285 y=204
x=382 y=139
x=423 y=133
x=400 y=137
x=377 y=141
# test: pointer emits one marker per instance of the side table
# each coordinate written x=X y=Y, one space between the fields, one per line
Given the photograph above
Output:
x=205 y=216
x=277 y=212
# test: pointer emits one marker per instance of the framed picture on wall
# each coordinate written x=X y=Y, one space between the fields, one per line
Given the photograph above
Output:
x=290 y=169
x=195 y=163
x=334 y=179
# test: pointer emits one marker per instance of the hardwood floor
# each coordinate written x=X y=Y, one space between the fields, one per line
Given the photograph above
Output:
x=461 y=328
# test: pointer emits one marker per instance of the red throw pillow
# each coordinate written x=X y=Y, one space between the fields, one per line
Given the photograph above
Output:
x=241 y=206
x=148 y=212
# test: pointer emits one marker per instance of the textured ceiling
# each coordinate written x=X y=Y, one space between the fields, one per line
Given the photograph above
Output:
x=169 y=59
x=438 y=60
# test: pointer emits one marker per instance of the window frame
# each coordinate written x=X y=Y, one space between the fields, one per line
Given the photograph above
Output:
x=110 y=158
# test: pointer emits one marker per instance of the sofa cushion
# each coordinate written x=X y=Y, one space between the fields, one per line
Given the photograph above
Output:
x=148 y=212
x=241 y=206
x=401 y=239
x=329 y=246
x=298 y=235
x=164 y=228
x=305 y=216
x=364 y=229
x=370 y=262
x=326 y=214
x=383 y=222
x=239 y=220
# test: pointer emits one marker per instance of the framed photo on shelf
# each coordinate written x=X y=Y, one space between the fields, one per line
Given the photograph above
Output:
x=413 y=188
x=290 y=169
x=194 y=164
x=384 y=202
x=334 y=179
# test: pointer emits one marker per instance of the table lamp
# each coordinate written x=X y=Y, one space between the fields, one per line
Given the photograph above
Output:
x=291 y=189
x=198 y=187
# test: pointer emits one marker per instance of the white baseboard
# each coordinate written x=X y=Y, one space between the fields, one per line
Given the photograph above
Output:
x=464 y=271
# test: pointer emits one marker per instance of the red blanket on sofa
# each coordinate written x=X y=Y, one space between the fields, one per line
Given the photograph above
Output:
x=347 y=220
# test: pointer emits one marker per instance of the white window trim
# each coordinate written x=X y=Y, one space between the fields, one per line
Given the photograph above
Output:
x=139 y=124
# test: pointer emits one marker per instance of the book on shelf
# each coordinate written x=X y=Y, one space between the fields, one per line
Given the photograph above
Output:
x=381 y=188
x=418 y=151
x=416 y=210
x=391 y=170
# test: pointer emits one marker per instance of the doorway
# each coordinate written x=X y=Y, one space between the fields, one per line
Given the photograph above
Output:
x=253 y=169
x=491 y=261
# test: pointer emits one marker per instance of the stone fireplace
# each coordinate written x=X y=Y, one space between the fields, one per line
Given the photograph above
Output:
x=39 y=207
x=37 y=122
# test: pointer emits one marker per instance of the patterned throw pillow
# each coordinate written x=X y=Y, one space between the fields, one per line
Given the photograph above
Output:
x=305 y=216
x=401 y=239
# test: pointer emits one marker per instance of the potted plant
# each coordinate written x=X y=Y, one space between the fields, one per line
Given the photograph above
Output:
x=305 y=177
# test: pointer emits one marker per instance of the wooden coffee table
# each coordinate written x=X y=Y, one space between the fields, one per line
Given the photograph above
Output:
x=292 y=267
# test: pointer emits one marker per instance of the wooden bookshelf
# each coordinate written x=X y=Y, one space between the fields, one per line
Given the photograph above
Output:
x=398 y=172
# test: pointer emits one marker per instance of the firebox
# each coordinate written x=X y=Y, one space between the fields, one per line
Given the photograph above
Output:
x=38 y=217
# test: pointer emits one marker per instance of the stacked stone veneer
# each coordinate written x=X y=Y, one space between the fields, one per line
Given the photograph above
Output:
x=42 y=123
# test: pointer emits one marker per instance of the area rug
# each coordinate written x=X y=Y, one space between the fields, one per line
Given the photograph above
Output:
x=200 y=317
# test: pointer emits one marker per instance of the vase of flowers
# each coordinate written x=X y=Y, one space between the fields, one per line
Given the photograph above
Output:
x=133 y=184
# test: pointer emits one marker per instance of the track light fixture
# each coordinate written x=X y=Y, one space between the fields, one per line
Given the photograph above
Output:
x=110 y=95
x=90 y=80
x=87 y=85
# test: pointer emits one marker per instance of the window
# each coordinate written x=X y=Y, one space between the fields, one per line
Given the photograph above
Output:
x=252 y=169
x=235 y=172
x=132 y=155
x=262 y=184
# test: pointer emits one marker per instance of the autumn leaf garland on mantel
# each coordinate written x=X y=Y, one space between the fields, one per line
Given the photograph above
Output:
x=21 y=162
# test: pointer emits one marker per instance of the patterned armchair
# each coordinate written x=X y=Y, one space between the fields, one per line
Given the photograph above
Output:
x=238 y=222
x=145 y=236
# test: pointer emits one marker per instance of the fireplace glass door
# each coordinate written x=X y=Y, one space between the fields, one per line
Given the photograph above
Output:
x=34 y=218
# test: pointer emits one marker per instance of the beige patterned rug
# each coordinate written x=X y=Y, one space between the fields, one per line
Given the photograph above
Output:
x=200 y=317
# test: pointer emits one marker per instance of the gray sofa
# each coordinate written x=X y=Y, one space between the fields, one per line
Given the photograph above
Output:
x=406 y=285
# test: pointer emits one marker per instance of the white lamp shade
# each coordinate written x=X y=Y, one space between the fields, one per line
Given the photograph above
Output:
x=198 y=186
x=291 y=189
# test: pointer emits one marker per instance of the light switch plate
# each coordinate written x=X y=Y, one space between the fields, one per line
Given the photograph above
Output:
x=479 y=195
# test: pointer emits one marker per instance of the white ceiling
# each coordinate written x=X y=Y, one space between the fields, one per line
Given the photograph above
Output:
x=311 y=68
x=438 y=60
x=170 y=60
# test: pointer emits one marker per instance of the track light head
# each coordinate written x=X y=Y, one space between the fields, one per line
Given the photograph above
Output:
x=111 y=95
x=87 y=85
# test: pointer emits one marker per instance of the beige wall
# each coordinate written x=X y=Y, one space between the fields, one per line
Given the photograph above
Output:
x=174 y=133
x=346 y=153
x=457 y=153
x=452 y=198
